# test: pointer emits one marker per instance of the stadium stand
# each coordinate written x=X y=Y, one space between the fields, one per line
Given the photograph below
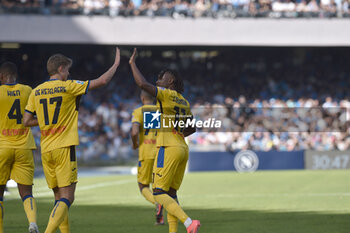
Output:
x=295 y=79
x=184 y=8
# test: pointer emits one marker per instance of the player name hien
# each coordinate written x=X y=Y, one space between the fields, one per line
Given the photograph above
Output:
x=14 y=93
x=209 y=123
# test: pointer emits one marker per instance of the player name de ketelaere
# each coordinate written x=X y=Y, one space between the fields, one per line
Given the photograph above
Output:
x=50 y=91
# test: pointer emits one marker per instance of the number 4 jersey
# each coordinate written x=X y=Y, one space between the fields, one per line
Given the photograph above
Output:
x=56 y=104
x=13 y=99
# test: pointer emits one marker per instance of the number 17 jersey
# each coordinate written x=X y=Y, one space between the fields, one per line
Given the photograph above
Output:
x=56 y=104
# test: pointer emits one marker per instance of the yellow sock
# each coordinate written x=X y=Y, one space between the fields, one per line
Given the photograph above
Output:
x=147 y=193
x=57 y=215
x=64 y=227
x=1 y=215
x=173 y=223
x=29 y=205
x=171 y=206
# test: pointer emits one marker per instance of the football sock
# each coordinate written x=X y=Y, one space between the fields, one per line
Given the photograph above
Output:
x=188 y=222
x=29 y=205
x=64 y=226
x=58 y=214
x=171 y=206
x=147 y=193
x=172 y=220
x=1 y=214
x=173 y=223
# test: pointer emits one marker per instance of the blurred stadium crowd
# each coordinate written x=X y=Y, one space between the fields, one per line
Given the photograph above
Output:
x=183 y=8
x=267 y=98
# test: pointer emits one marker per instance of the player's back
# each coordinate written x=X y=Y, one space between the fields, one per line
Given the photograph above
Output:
x=174 y=108
x=13 y=134
x=56 y=104
x=147 y=137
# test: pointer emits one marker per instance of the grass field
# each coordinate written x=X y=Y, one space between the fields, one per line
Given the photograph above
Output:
x=225 y=202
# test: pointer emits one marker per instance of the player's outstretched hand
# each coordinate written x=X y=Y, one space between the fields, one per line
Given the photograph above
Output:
x=117 y=57
x=133 y=57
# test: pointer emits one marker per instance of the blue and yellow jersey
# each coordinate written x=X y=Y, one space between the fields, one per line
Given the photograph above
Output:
x=174 y=108
x=56 y=104
x=13 y=134
x=147 y=137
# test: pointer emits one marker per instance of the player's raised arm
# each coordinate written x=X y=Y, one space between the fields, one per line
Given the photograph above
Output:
x=139 y=79
x=107 y=76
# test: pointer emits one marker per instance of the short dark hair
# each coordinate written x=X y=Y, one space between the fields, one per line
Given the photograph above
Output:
x=147 y=95
x=9 y=69
x=55 y=61
x=178 y=83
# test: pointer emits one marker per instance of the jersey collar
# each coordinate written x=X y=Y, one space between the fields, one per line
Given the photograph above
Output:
x=10 y=84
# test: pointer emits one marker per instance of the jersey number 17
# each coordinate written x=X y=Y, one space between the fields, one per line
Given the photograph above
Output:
x=58 y=101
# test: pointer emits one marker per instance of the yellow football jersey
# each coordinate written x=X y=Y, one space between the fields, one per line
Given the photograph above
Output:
x=174 y=108
x=56 y=104
x=147 y=137
x=13 y=134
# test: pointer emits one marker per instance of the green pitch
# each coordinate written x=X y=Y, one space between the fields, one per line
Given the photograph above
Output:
x=225 y=202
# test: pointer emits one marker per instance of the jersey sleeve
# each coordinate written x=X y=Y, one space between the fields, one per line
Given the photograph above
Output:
x=76 y=87
x=30 y=104
x=162 y=93
x=136 y=116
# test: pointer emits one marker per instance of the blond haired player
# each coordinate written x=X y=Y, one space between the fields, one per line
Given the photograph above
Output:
x=16 y=143
x=56 y=104
x=145 y=141
x=172 y=155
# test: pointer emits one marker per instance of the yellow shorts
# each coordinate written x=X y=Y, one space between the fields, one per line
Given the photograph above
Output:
x=16 y=164
x=169 y=167
x=144 y=171
x=60 y=167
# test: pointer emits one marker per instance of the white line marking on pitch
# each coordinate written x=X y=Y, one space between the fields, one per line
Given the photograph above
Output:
x=242 y=195
x=105 y=184
x=79 y=188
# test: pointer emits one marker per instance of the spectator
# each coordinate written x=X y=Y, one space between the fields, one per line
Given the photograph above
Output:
x=114 y=6
x=263 y=101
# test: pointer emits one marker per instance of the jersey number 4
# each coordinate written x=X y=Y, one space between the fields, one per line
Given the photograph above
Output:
x=58 y=101
x=15 y=112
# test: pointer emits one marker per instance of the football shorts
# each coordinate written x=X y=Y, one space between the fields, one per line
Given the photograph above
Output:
x=16 y=164
x=169 y=167
x=60 y=167
x=144 y=171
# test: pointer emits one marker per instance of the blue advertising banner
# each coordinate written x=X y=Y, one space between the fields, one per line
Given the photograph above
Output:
x=246 y=160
